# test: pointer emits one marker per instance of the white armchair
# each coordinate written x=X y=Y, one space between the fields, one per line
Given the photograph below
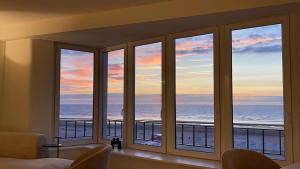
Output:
x=22 y=145
x=26 y=151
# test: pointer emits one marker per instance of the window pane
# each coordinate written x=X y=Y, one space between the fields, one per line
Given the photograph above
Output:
x=76 y=94
x=113 y=116
x=148 y=88
x=258 y=112
x=195 y=93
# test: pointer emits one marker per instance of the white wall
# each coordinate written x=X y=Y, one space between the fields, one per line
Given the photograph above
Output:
x=15 y=110
x=28 y=86
x=42 y=87
x=2 y=47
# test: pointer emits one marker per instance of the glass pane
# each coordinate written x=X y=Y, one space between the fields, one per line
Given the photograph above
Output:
x=76 y=94
x=148 y=88
x=258 y=113
x=195 y=93
x=113 y=118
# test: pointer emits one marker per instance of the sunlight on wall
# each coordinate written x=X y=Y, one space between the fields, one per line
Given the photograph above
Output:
x=2 y=46
x=16 y=107
x=28 y=86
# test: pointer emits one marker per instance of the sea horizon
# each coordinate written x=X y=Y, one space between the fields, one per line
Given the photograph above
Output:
x=247 y=109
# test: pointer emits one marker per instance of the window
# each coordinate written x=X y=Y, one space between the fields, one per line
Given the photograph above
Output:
x=169 y=93
x=148 y=94
x=114 y=109
x=257 y=83
x=76 y=103
x=195 y=93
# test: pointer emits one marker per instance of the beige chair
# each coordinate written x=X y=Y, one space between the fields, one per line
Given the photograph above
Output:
x=96 y=158
x=245 y=159
x=22 y=150
x=22 y=145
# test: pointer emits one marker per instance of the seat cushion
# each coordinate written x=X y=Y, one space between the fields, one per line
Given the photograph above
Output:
x=42 y=163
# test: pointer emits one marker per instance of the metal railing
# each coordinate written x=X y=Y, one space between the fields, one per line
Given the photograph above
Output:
x=75 y=128
x=147 y=130
x=188 y=134
x=260 y=135
x=114 y=128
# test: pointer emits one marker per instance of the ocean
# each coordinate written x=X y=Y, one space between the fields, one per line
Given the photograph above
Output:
x=248 y=114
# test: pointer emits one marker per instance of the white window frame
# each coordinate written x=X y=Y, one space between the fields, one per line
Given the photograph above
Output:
x=222 y=84
x=130 y=95
x=227 y=81
x=58 y=47
x=171 y=92
x=102 y=67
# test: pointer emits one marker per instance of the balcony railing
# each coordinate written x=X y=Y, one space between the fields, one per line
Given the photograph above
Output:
x=268 y=139
x=75 y=129
x=114 y=128
x=195 y=136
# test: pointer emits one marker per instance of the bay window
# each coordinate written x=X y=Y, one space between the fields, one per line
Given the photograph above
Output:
x=194 y=94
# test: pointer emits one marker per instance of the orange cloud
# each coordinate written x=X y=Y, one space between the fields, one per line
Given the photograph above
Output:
x=154 y=59
x=77 y=73
x=192 y=44
x=76 y=86
x=115 y=72
x=253 y=41
x=116 y=53
x=192 y=47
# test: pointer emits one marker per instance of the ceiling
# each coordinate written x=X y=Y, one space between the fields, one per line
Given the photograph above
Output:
x=84 y=22
x=17 y=11
x=111 y=36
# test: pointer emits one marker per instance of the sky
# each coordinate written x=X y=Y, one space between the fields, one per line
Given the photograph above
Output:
x=256 y=67
x=257 y=61
x=194 y=65
x=148 y=69
x=76 y=73
x=115 y=71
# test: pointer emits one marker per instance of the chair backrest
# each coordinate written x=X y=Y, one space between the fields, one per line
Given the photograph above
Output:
x=246 y=159
x=97 y=158
x=22 y=145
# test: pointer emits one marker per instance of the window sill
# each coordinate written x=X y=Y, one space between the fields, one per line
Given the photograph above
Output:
x=172 y=159
x=157 y=157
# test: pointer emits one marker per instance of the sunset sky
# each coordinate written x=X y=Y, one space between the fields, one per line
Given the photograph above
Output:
x=116 y=71
x=76 y=73
x=257 y=66
x=148 y=69
x=257 y=61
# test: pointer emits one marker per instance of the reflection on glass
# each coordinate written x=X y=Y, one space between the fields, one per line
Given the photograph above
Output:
x=257 y=81
x=113 y=116
x=195 y=93
x=76 y=94
x=148 y=88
